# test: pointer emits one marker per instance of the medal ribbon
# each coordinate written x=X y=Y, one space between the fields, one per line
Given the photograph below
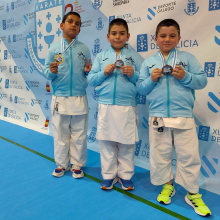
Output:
x=117 y=57
x=62 y=45
x=164 y=62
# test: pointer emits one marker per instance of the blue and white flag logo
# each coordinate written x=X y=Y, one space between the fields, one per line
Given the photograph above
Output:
x=142 y=43
x=191 y=8
x=214 y=5
x=97 y=4
x=92 y=137
x=47 y=28
x=96 y=47
x=210 y=69
x=208 y=166
x=217 y=40
x=100 y=24
x=215 y=101
x=203 y=134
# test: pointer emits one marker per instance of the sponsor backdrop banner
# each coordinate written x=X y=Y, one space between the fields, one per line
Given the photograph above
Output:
x=29 y=27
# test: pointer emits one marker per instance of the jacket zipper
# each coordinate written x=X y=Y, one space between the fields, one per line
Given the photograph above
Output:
x=71 y=73
x=114 y=94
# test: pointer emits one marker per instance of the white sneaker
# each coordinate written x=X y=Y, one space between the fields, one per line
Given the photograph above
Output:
x=59 y=171
x=77 y=172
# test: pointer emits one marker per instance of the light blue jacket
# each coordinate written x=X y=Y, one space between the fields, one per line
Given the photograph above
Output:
x=170 y=97
x=70 y=79
x=117 y=88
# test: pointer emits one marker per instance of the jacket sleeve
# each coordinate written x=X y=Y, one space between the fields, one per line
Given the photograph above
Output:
x=138 y=62
x=145 y=84
x=46 y=73
x=96 y=76
x=195 y=77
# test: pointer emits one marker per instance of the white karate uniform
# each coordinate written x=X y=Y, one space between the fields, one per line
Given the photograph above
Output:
x=117 y=133
x=69 y=123
x=179 y=133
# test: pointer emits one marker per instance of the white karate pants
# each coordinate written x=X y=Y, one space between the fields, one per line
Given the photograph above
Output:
x=70 y=144
x=117 y=159
x=185 y=142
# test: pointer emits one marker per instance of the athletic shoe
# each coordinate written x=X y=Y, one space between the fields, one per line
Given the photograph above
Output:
x=126 y=184
x=167 y=192
x=108 y=184
x=77 y=172
x=197 y=203
x=59 y=171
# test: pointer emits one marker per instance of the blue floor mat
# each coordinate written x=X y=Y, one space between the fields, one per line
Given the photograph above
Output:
x=29 y=191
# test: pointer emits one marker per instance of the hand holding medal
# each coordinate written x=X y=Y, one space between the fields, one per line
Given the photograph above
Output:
x=53 y=68
x=128 y=70
x=109 y=69
x=179 y=72
x=156 y=74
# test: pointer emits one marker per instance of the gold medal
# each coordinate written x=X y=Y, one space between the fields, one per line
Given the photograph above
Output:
x=58 y=58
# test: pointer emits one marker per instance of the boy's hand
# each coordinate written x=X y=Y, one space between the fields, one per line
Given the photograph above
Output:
x=128 y=70
x=88 y=66
x=109 y=69
x=156 y=74
x=179 y=72
x=54 y=67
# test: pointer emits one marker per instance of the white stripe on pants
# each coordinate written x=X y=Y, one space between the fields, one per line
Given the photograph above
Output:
x=187 y=154
x=70 y=143
x=117 y=159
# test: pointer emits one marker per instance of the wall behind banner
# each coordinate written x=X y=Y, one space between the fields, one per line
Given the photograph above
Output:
x=29 y=27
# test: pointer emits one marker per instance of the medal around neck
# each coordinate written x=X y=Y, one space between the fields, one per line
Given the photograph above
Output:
x=119 y=64
x=167 y=70
x=58 y=58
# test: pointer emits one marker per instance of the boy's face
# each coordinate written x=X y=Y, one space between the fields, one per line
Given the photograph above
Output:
x=167 y=38
x=118 y=36
x=71 y=27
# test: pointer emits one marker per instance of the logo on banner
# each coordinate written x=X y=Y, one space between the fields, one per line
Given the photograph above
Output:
x=152 y=13
x=91 y=138
x=25 y=19
x=4 y=24
x=137 y=147
x=210 y=69
x=95 y=95
x=214 y=5
x=47 y=31
x=46 y=122
x=5 y=112
x=142 y=43
x=26 y=118
x=96 y=114
x=208 y=166
x=100 y=24
x=7 y=8
x=46 y=106
x=27 y=85
x=191 y=8
x=97 y=4
x=120 y=2
x=145 y=151
x=48 y=88
x=141 y=99
x=203 y=134
x=0 y=80
x=111 y=18
x=1 y=96
x=7 y=83
x=9 y=39
x=145 y=123
x=217 y=40
x=96 y=47
x=11 y=99
x=216 y=101
x=5 y=54
x=16 y=100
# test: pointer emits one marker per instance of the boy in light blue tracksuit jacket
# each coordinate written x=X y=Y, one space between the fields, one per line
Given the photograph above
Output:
x=69 y=104
x=169 y=79
x=114 y=75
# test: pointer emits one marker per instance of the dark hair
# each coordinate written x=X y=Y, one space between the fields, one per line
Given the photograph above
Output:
x=118 y=21
x=70 y=13
x=168 y=23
